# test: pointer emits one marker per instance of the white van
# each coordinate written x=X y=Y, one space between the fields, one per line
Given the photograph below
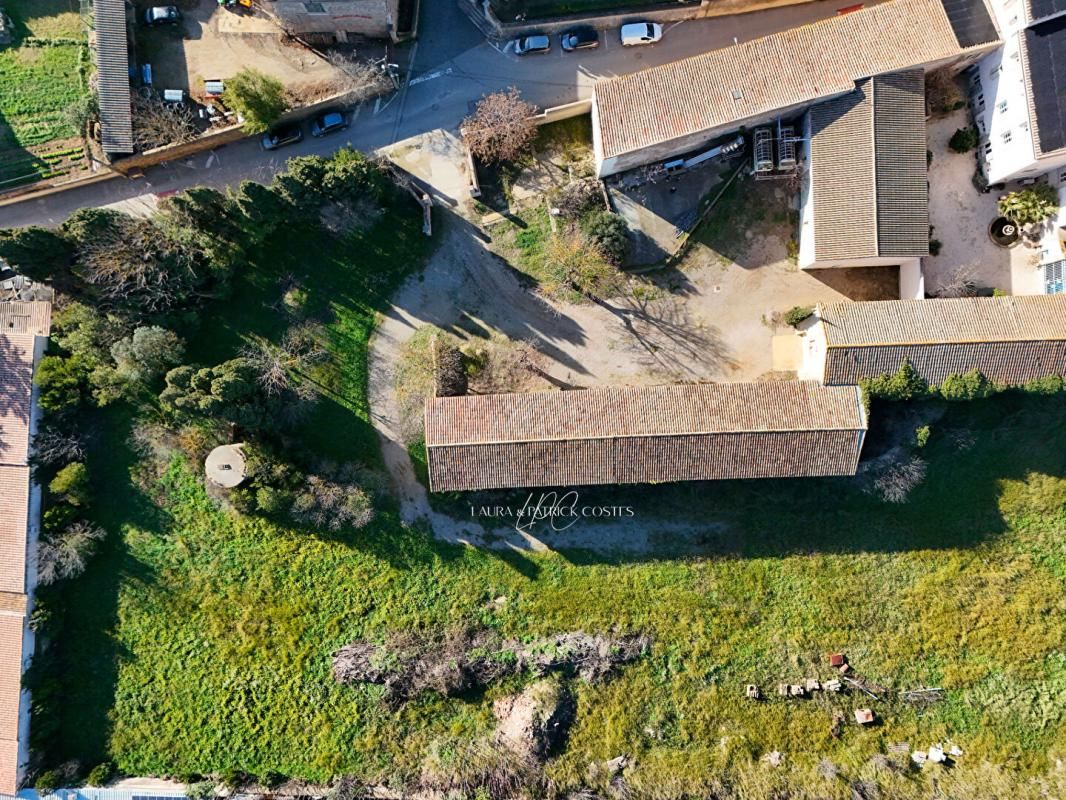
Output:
x=635 y=33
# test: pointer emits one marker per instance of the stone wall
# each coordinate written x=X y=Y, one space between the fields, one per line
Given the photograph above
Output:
x=373 y=18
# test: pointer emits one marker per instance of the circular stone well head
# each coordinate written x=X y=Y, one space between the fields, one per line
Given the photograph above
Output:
x=225 y=466
x=1004 y=231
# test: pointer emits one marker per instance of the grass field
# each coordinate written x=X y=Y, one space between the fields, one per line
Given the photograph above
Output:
x=200 y=641
x=43 y=73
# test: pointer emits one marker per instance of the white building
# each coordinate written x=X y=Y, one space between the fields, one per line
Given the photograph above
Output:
x=1019 y=92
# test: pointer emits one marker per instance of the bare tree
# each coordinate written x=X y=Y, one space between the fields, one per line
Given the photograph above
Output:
x=361 y=80
x=502 y=127
x=156 y=123
x=54 y=446
x=896 y=483
x=277 y=365
x=961 y=284
x=64 y=555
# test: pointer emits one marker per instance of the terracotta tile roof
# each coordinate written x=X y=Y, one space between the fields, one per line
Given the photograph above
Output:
x=869 y=181
x=11 y=631
x=16 y=386
x=781 y=71
x=1011 y=340
x=631 y=434
x=33 y=316
x=14 y=517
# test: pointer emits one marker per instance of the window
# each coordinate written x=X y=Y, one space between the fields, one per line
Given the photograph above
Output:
x=1006 y=137
x=314 y=8
x=1001 y=106
x=988 y=148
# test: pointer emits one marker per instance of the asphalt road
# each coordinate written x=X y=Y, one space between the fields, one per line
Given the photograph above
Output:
x=448 y=68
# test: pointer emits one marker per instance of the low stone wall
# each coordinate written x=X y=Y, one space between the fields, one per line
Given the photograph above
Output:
x=567 y=111
x=487 y=21
x=210 y=141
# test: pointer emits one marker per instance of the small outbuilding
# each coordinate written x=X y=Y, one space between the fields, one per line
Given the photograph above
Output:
x=225 y=466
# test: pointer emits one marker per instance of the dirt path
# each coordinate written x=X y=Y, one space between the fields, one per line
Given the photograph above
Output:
x=465 y=286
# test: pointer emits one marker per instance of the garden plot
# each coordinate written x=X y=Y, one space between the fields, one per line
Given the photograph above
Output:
x=44 y=73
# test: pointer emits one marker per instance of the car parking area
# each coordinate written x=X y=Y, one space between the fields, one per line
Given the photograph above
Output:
x=210 y=42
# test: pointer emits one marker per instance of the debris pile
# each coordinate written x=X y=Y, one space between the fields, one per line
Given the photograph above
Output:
x=408 y=665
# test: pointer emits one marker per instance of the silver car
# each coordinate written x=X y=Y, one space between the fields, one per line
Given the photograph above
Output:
x=537 y=43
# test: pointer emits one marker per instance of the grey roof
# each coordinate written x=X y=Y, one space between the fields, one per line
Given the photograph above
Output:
x=112 y=76
x=1044 y=45
x=1038 y=9
x=868 y=170
x=643 y=434
x=971 y=21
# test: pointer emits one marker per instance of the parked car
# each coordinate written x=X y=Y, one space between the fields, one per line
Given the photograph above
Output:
x=328 y=122
x=537 y=43
x=635 y=33
x=162 y=15
x=580 y=39
x=281 y=136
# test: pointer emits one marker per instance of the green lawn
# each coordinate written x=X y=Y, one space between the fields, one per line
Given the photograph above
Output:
x=43 y=73
x=200 y=640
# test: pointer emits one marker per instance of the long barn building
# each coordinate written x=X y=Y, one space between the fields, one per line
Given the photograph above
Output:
x=1011 y=340
x=643 y=434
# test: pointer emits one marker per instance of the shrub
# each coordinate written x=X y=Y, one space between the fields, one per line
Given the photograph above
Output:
x=935 y=246
x=904 y=384
x=47 y=782
x=963 y=140
x=100 y=774
x=200 y=790
x=970 y=386
x=1031 y=205
x=331 y=505
x=795 y=315
x=921 y=435
x=72 y=484
x=146 y=354
x=450 y=377
x=572 y=265
x=270 y=500
x=1052 y=384
x=58 y=382
x=577 y=197
x=896 y=483
x=258 y=98
x=609 y=233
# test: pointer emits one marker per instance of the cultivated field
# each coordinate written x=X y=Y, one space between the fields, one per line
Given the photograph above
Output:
x=44 y=74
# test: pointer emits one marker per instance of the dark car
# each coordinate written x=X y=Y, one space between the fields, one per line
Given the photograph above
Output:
x=537 y=43
x=328 y=122
x=162 y=15
x=281 y=136
x=580 y=39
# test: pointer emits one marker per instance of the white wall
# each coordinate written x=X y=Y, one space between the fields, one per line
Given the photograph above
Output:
x=806 y=208
x=911 y=280
x=812 y=363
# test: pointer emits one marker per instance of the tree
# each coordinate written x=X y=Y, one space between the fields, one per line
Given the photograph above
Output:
x=227 y=391
x=327 y=504
x=64 y=555
x=156 y=123
x=261 y=207
x=59 y=382
x=904 y=384
x=206 y=220
x=963 y=140
x=258 y=98
x=72 y=484
x=279 y=366
x=87 y=334
x=132 y=262
x=609 y=233
x=361 y=79
x=968 y=386
x=573 y=264
x=1031 y=205
x=144 y=356
x=502 y=127
x=38 y=253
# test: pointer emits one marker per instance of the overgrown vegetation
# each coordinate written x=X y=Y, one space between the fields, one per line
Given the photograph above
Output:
x=257 y=97
x=1030 y=206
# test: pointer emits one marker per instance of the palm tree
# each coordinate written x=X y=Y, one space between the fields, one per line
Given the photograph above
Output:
x=1031 y=205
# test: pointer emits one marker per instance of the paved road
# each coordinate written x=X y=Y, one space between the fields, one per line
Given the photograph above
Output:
x=449 y=68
